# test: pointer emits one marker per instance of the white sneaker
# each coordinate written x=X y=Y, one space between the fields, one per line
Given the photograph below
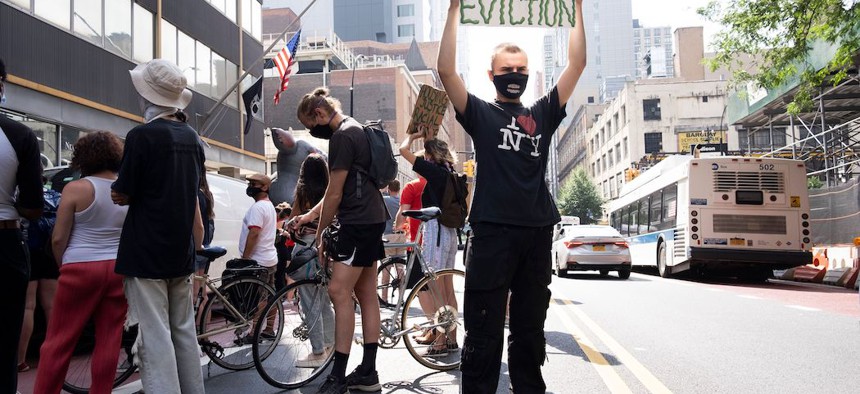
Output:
x=314 y=360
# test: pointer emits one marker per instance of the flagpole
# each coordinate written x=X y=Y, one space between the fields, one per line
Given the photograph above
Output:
x=248 y=69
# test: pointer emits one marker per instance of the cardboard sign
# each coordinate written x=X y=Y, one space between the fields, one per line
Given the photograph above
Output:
x=429 y=110
x=523 y=13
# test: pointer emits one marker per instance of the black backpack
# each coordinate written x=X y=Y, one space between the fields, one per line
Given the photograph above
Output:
x=383 y=166
x=453 y=205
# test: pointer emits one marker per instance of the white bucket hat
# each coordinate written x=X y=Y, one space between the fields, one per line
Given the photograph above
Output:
x=161 y=83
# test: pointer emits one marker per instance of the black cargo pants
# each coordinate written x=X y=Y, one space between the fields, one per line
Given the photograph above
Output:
x=505 y=258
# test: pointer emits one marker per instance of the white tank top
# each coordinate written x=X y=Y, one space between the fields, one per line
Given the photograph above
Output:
x=96 y=231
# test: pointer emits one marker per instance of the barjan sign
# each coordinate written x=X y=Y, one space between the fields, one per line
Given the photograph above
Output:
x=513 y=13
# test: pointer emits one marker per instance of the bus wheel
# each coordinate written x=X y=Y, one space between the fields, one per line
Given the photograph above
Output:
x=662 y=268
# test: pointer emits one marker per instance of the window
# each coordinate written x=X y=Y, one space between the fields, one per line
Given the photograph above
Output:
x=669 y=207
x=618 y=152
x=598 y=166
x=168 y=42
x=651 y=109
x=406 y=10
x=230 y=12
x=204 y=69
x=57 y=12
x=611 y=159
x=186 y=56
x=633 y=218
x=25 y=4
x=643 y=216
x=656 y=210
x=405 y=30
x=256 y=20
x=704 y=99
x=653 y=142
x=624 y=146
x=118 y=27
x=87 y=20
x=219 y=75
x=246 y=15
x=591 y=99
x=143 y=35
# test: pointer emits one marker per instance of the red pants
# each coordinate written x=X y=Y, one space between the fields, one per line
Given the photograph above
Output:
x=85 y=290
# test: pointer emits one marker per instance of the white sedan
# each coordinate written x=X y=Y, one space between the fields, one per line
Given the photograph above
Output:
x=591 y=248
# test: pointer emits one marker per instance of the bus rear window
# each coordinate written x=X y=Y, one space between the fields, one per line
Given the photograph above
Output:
x=749 y=197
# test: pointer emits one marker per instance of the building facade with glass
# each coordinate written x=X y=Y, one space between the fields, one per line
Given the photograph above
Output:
x=68 y=63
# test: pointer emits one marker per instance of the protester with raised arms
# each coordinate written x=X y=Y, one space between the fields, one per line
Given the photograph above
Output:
x=512 y=212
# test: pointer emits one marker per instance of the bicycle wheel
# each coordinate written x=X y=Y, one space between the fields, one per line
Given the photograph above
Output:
x=79 y=375
x=307 y=324
x=444 y=323
x=223 y=336
x=389 y=276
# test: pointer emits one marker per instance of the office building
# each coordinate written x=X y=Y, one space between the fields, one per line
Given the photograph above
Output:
x=653 y=51
x=68 y=64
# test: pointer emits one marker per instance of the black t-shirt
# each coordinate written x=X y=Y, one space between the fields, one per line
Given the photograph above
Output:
x=348 y=148
x=511 y=148
x=160 y=172
x=437 y=178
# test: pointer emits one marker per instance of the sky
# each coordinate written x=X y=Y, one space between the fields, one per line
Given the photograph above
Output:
x=651 y=13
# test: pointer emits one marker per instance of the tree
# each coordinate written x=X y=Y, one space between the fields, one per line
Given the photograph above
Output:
x=779 y=35
x=579 y=197
x=813 y=182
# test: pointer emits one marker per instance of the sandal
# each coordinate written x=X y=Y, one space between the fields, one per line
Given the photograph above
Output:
x=427 y=338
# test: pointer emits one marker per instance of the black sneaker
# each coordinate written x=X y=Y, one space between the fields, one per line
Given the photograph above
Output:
x=333 y=385
x=366 y=382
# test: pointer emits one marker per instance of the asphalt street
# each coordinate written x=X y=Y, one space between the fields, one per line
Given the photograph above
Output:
x=649 y=334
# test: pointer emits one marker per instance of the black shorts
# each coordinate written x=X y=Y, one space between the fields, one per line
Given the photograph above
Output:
x=42 y=266
x=361 y=243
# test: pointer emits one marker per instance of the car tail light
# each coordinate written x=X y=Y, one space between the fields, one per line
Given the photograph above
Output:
x=572 y=244
x=622 y=244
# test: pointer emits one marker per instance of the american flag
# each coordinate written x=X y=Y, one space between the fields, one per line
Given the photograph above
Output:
x=284 y=63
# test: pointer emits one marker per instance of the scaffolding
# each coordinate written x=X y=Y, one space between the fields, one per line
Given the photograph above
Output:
x=827 y=138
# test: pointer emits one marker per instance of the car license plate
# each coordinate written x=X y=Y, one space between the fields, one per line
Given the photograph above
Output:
x=598 y=248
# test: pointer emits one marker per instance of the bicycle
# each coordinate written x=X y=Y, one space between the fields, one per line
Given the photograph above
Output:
x=228 y=315
x=302 y=317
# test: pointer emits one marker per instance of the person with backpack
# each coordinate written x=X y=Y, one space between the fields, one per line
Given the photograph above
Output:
x=43 y=271
x=353 y=196
x=513 y=212
x=439 y=238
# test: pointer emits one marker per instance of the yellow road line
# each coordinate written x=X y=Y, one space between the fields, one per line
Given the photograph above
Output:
x=648 y=379
x=606 y=372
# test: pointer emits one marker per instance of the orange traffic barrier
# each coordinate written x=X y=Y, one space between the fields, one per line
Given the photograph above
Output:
x=820 y=259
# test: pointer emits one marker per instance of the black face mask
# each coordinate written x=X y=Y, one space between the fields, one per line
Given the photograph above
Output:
x=252 y=191
x=511 y=85
x=323 y=131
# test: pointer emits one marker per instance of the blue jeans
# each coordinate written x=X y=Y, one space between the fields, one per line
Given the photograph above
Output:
x=14 y=275
x=167 y=340
x=316 y=303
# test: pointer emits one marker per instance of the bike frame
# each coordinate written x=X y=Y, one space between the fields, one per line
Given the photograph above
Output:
x=416 y=254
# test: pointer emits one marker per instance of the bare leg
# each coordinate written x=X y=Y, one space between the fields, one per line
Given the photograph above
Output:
x=365 y=290
x=340 y=290
x=27 y=325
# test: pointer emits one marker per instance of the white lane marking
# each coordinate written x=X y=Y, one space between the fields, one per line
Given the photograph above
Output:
x=804 y=308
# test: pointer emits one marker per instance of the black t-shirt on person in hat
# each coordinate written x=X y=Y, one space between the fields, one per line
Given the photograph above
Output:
x=160 y=172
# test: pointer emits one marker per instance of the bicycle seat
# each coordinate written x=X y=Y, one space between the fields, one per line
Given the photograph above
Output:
x=425 y=214
x=211 y=253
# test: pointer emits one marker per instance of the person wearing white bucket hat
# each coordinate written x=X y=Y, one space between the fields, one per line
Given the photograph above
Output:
x=160 y=173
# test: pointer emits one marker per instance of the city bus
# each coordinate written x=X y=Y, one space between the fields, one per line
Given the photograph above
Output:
x=737 y=215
